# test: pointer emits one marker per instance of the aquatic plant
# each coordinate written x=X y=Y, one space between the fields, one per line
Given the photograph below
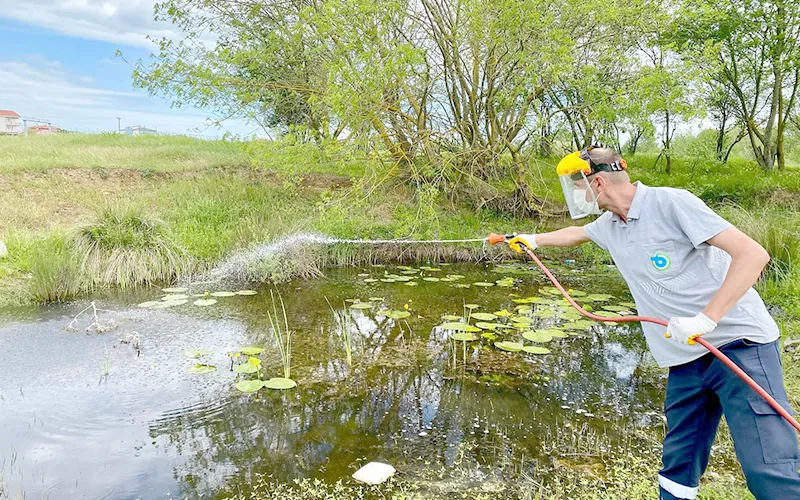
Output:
x=345 y=330
x=282 y=333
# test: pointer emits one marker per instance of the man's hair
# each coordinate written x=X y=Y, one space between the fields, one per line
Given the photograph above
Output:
x=608 y=156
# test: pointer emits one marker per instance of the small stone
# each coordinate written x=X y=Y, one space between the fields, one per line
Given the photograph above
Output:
x=374 y=473
x=423 y=434
x=564 y=407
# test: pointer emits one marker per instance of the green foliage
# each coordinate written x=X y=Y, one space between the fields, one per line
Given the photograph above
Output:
x=124 y=248
x=55 y=270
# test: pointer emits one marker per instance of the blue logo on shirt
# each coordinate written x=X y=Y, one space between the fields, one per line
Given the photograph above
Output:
x=660 y=261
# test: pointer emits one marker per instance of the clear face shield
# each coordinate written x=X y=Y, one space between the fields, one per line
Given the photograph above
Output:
x=580 y=198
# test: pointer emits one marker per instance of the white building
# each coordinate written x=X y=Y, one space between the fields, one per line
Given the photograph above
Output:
x=9 y=122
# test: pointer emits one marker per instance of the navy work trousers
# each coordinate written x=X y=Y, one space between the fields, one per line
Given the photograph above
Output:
x=699 y=393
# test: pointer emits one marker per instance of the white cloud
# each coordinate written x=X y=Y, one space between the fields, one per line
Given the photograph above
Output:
x=126 y=22
x=47 y=91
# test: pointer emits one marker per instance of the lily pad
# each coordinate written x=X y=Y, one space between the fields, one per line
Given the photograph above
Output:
x=521 y=319
x=403 y=279
x=280 y=383
x=196 y=353
x=523 y=309
x=387 y=280
x=490 y=336
x=176 y=296
x=483 y=316
x=204 y=302
x=556 y=333
x=535 y=349
x=456 y=276
x=471 y=306
x=376 y=299
x=150 y=303
x=370 y=280
x=457 y=326
x=630 y=305
x=576 y=293
x=608 y=314
x=615 y=308
x=490 y=326
x=398 y=314
x=451 y=317
x=223 y=293
x=411 y=283
x=431 y=278
x=249 y=385
x=502 y=314
x=583 y=324
x=509 y=346
x=246 y=368
x=363 y=275
x=464 y=336
x=405 y=268
x=461 y=285
x=483 y=284
x=537 y=336
x=251 y=351
x=409 y=271
x=378 y=265
x=598 y=297
x=246 y=292
x=174 y=290
x=361 y=305
x=383 y=312
x=201 y=368
x=170 y=303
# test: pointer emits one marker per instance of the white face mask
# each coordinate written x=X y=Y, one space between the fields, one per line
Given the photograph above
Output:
x=587 y=207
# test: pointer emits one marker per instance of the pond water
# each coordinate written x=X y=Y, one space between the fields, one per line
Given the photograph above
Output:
x=117 y=415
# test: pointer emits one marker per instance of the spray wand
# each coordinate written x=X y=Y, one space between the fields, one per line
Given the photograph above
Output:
x=499 y=238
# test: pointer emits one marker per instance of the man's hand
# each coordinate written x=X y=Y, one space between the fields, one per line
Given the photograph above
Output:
x=529 y=240
x=685 y=330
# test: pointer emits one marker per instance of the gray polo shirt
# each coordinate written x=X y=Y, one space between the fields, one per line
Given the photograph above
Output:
x=671 y=271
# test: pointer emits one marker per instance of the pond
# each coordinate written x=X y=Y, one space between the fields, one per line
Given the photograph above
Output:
x=120 y=414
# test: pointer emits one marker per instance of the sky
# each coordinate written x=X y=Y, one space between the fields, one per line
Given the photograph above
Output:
x=58 y=62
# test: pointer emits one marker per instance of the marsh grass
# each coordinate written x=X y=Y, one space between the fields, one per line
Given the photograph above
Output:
x=345 y=329
x=282 y=333
x=125 y=248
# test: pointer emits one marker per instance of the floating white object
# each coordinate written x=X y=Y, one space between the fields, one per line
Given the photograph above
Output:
x=374 y=473
x=3 y=250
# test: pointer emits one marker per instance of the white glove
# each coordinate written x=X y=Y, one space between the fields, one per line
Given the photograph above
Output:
x=685 y=330
x=529 y=240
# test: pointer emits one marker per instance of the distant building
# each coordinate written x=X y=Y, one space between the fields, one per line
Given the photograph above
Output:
x=140 y=130
x=9 y=122
x=44 y=129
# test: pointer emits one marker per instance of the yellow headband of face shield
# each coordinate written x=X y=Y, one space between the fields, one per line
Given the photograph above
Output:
x=572 y=164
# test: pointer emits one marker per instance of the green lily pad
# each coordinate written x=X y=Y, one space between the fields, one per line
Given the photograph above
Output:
x=523 y=309
x=246 y=368
x=170 y=303
x=361 y=305
x=615 y=308
x=521 y=319
x=471 y=306
x=411 y=283
x=539 y=336
x=509 y=346
x=576 y=293
x=535 y=349
x=405 y=268
x=431 y=269
x=246 y=292
x=583 y=324
x=249 y=385
x=490 y=326
x=363 y=275
x=201 y=368
x=223 y=294
x=280 y=383
x=204 y=302
x=378 y=265
x=383 y=312
x=461 y=285
x=464 y=336
x=398 y=314
x=630 y=305
x=352 y=301
x=457 y=326
x=483 y=284
x=451 y=317
x=490 y=336
x=431 y=278
x=174 y=290
x=598 y=297
x=196 y=353
x=483 y=316
x=526 y=300
x=502 y=314
x=387 y=280
x=608 y=314
x=456 y=276
x=150 y=303
x=403 y=279
x=556 y=333
x=376 y=299
x=176 y=296
x=370 y=280
x=409 y=271
x=251 y=351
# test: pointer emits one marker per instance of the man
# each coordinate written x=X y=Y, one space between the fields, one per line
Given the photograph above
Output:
x=684 y=262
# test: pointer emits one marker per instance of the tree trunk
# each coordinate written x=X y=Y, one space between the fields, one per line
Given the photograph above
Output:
x=667 y=142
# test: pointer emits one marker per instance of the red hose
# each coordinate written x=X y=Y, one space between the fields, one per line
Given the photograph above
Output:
x=716 y=352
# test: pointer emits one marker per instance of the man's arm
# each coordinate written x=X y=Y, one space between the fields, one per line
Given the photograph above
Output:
x=748 y=260
x=567 y=237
